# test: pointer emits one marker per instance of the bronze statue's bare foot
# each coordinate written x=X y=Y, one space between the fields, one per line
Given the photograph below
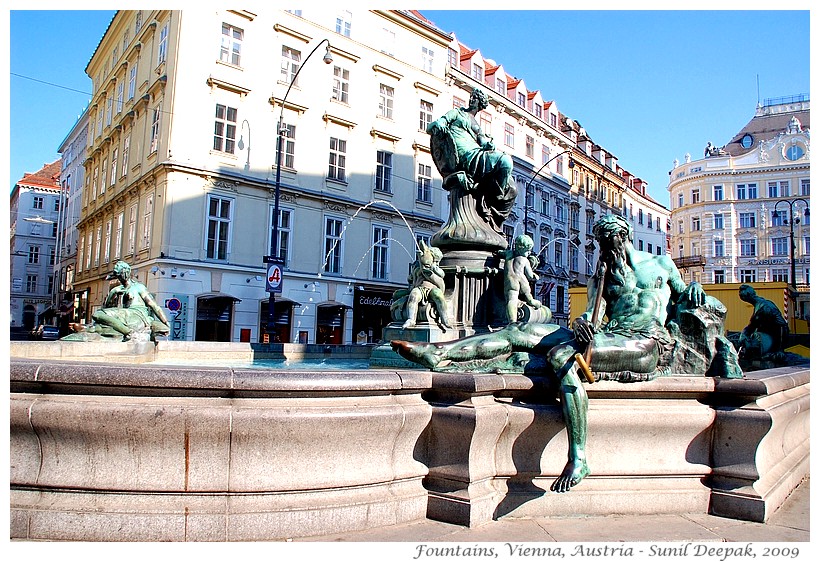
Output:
x=426 y=354
x=574 y=471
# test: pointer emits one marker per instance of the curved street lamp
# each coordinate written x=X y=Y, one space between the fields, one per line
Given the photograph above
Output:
x=791 y=222
x=535 y=175
x=280 y=134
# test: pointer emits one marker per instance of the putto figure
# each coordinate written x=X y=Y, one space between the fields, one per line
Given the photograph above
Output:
x=129 y=312
x=518 y=273
x=638 y=290
x=426 y=285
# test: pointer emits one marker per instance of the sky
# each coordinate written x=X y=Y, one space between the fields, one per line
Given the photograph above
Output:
x=648 y=86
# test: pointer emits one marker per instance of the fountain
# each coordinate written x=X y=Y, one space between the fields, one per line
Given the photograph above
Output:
x=111 y=441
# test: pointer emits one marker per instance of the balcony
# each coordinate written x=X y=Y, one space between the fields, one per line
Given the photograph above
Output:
x=690 y=261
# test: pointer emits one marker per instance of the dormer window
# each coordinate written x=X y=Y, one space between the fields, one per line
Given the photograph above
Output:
x=478 y=72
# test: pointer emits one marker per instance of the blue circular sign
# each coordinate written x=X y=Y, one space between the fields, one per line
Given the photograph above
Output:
x=173 y=304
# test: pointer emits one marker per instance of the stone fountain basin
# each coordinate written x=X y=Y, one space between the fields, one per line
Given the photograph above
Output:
x=138 y=450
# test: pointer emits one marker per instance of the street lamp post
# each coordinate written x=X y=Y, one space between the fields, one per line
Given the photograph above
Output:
x=791 y=220
x=280 y=138
x=535 y=175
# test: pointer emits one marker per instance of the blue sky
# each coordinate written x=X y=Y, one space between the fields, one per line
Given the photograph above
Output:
x=649 y=86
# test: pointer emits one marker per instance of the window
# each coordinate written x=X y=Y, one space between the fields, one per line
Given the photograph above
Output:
x=427 y=59
x=746 y=191
x=333 y=245
x=695 y=196
x=104 y=176
x=649 y=247
x=225 y=129
x=747 y=220
x=478 y=72
x=522 y=99
x=54 y=230
x=285 y=216
x=717 y=192
x=107 y=243
x=545 y=203
x=290 y=64
x=126 y=144
x=344 y=20
x=37 y=202
x=120 y=96
x=779 y=218
x=748 y=247
x=806 y=245
x=509 y=233
x=718 y=222
x=34 y=254
x=805 y=186
x=752 y=191
x=538 y=111
x=88 y=245
x=589 y=255
x=219 y=226
x=118 y=236
x=640 y=216
x=719 y=276
x=500 y=86
x=573 y=259
x=381 y=246
x=649 y=220
x=132 y=82
x=559 y=254
x=748 y=275
x=336 y=165
x=109 y=109
x=719 y=249
x=640 y=245
x=575 y=218
x=486 y=123
x=114 y=156
x=680 y=199
x=341 y=84
x=138 y=22
x=388 y=42
x=97 y=244
x=458 y=103
x=132 y=231
x=509 y=135
x=386 y=101
x=31 y=283
x=553 y=120
x=780 y=246
x=425 y=114
x=424 y=184
x=289 y=145
x=154 y=131
x=231 y=47
x=780 y=274
x=529 y=198
x=163 y=45
x=57 y=201
x=146 y=221
x=384 y=170
x=695 y=223
x=559 y=211
x=530 y=147
x=452 y=58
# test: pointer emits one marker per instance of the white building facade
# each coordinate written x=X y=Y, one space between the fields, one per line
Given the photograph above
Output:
x=736 y=210
x=34 y=210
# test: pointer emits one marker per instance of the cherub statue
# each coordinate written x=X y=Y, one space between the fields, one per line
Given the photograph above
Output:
x=426 y=281
x=518 y=272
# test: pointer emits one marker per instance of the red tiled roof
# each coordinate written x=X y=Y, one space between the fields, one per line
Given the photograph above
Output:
x=48 y=176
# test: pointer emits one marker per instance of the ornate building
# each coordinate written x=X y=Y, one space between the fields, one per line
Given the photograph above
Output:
x=741 y=214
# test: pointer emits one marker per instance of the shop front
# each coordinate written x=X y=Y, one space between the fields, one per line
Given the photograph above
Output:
x=371 y=313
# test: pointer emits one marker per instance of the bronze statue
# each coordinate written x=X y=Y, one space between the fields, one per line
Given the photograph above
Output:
x=129 y=311
x=426 y=286
x=479 y=178
x=518 y=272
x=637 y=292
x=767 y=331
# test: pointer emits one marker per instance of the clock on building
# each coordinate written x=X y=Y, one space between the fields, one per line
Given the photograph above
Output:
x=747 y=140
x=794 y=152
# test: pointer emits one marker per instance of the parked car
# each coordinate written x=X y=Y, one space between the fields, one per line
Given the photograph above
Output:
x=45 y=332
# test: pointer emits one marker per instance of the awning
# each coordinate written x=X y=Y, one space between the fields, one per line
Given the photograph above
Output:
x=213 y=296
x=286 y=300
x=333 y=304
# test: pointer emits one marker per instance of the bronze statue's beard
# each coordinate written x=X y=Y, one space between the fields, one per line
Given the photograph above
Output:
x=615 y=258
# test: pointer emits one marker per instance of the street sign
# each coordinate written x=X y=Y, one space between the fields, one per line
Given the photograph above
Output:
x=273 y=279
x=173 y=304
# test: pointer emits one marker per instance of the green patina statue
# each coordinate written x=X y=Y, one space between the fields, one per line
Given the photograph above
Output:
x=767 y=331
x=426 y=286
x=479 y=178
x=649 y=311
x=518 y=272
x=129 y=312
